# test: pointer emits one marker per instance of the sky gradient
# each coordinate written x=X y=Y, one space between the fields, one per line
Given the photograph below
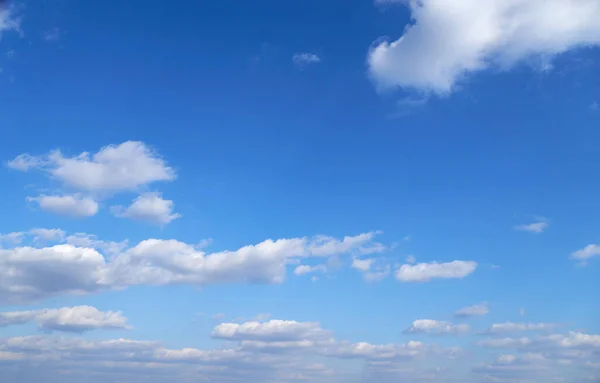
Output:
x=300 y=191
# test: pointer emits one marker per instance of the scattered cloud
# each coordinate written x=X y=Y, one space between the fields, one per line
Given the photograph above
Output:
x=47 y=235
x=378 y=275
x=449 y=41
x=424 y=272
x=411 y=260
x=9 y=21
x=52 y=34
x=586 y=253
x=69 y=319
x=148 y=207
x=304 y=59
x=508 y=327
x=69 y=205
x=535 y=227
x=306 y=269
x=434 y=327
x=470 y=311
x=362 y=264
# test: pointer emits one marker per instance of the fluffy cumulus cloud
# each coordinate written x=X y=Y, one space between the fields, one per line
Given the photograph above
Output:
x=423 y=272
x=449 y=40
x=81 y=263
x=69 y=319
x=148 y=207
x=69 y=205
x=435 y=327
x=113 y=168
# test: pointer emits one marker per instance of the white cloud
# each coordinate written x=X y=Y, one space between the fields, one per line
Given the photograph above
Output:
x=41 y=234
x=8 y=20
x=69 y=205
x=11 y=238
x=306 y=269
x=423 y=272
x=430 y=326
x=411 y=259
x=586 y=253
x=534 y=227
x=303 y=59
x=377 y=275
x=271 y=331
x=148 y=207
x=29 y=273
x=69 y=319
x=507 y=327
x=113 y=168
x=475 y=310
x=450 y=40
x=362 y=264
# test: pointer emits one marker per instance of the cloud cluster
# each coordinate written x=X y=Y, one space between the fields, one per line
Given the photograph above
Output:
x=449 y=40
x=81 y=263
x=86 y=178
x=270 y=351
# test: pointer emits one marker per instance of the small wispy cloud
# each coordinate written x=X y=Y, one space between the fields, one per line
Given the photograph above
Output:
x=52 y=34
x=303 y=59
x=538 y=226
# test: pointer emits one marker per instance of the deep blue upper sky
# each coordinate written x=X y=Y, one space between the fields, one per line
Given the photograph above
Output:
x=463 y=134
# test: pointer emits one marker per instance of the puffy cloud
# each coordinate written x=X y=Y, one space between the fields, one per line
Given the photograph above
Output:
x=586 y=253
x=475 y=310
x=69 y=319
x=29 y=273
x=69 y=205
x=449 y=40
x=506 y=327
x=113 y=168
x=148 y=207
x=303 y=59
x=429 y=326
x=423 y=272
x=271 y=331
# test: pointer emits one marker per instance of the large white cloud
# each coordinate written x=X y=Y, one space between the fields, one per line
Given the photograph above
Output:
x=148 y=207
x=113 y=168
x=423 y=272
x=69 y=319
x=85 y=264
x=449 y=40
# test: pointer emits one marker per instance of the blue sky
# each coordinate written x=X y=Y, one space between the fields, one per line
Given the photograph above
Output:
x=299 y=191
